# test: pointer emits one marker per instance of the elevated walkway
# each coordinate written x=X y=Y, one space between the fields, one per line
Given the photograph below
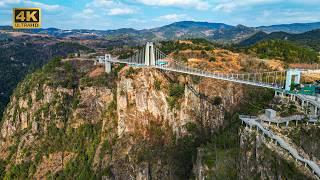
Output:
x=252 y=121
x=287 y=120
x=151 y=57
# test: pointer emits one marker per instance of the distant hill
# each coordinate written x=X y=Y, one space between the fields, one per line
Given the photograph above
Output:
x=291 y=28
x=210 y=31
x=219 y=32
x=310 y=38
x=283 y=50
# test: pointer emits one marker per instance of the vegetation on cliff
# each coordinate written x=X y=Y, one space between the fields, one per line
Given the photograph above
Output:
x=70 y=76
x=71 y=123
x=308 y=39
x=284 y=50
x=221 y=152
x=306 y=137
x=17 y=59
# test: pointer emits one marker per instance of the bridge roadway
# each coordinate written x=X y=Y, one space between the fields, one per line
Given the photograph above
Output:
x=226 y=77
x=252 y=122
x=198 y=72
x=152 y=57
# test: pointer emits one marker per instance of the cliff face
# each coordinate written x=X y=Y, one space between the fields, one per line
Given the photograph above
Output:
x=65 y=121
x=268 y=160
x=70 y=120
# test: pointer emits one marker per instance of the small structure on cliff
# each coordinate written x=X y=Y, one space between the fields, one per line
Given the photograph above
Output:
x=270 y=113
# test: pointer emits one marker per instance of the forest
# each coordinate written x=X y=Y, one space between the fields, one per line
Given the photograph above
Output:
x=20 y=58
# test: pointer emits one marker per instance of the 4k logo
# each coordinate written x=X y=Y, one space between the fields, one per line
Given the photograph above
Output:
x=26 y=18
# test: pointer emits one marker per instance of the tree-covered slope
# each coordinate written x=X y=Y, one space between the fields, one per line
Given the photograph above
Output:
x=284 y=50
x=19 y=57
x=309 y=39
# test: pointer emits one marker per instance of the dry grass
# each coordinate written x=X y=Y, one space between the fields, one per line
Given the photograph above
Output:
x=275 y=65
x=310 y=77
x=96 y=72
x=185 y=42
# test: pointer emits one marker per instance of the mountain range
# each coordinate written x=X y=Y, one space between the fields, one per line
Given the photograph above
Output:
x=219 y=32
x=310 y=39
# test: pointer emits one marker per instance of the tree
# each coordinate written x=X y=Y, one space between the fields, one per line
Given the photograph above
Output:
x=217 y=100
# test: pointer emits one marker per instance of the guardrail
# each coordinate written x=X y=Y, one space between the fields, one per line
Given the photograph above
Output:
x=253 y=123
x=280 y=120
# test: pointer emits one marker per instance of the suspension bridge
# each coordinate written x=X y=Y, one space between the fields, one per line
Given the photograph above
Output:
x=280 y=81
x=151 y=56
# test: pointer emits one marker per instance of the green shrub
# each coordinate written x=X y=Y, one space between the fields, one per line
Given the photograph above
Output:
x=157 y=84
x=217 y=100
x=2 y=169
x=130 y=72
x=212 y=59
x=20 y=171
x=176 y=90
x=39 y=94
x=104 y=80
x=204 y=54
x=196 y=79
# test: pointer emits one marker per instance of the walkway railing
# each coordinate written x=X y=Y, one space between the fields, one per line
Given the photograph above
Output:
x=255 y=79
x=253 y=123
x=151 y=56
x=309 y=99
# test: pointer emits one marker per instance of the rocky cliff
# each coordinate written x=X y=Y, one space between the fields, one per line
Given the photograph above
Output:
x=70 y=120
x=67 y=117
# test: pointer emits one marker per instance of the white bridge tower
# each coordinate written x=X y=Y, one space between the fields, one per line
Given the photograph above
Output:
x=150 y=59
x=296 y=73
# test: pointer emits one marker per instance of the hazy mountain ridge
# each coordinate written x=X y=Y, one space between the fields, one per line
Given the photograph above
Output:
x=178 y=30
x=291 y=28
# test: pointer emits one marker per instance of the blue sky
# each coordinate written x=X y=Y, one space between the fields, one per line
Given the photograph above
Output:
x=141 y=14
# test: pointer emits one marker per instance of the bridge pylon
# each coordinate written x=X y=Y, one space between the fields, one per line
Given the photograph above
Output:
x=296 y=73
x=150 y=59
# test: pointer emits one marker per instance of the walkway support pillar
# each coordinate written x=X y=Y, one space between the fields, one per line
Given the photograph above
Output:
x=107 y=63
x=107 y=67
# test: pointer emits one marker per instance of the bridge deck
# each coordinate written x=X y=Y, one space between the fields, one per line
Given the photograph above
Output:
x=151 y=56
x=198 y=72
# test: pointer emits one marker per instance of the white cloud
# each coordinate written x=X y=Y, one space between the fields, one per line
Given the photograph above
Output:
x=230 y=5
x=121 y=11
x=288 y=16
x=171 y=17
x=86 y=14
x=102 y=3
x=198 y=4
x=4 y=3
x=46 y=7
x=111 y=7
